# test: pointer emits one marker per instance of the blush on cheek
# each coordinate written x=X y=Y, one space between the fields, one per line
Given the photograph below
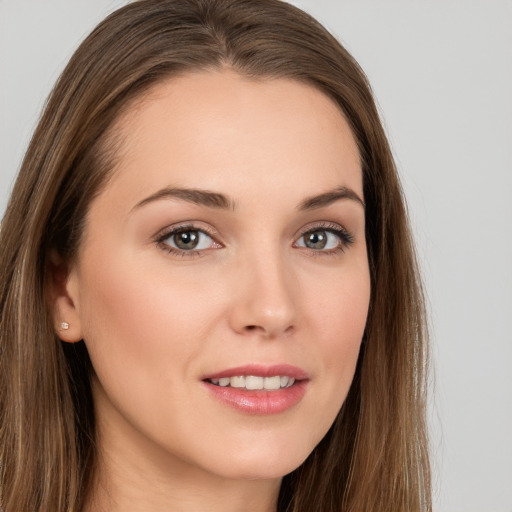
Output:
x=136 y=315
x=115 y=309
x=349 y=312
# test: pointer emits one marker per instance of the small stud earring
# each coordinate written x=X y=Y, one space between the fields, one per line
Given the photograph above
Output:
x=64 y=326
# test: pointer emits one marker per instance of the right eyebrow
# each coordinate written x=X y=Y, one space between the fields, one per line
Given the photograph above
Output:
x=327 y=198
x=191 y=195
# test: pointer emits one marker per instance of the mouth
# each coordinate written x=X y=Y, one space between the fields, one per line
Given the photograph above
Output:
x=258 y=389
x=254 y=382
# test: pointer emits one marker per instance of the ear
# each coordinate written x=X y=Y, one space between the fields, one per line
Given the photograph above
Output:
x=63 y=298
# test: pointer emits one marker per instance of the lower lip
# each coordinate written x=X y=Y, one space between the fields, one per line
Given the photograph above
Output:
x=261 y=401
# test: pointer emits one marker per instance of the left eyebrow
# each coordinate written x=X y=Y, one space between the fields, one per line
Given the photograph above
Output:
x=327 y=198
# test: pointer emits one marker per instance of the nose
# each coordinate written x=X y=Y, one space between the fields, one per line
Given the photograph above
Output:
x=264 y=301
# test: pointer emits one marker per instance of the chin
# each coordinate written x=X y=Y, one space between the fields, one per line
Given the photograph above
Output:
x=262 y=464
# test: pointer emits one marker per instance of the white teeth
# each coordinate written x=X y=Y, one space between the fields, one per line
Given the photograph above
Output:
x=237 y=382
x=252 y=382
x=272 y=382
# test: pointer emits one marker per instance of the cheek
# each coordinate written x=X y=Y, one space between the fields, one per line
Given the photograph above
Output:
x=339 y=307
x=340 y=316
x=137 y=320
x=347 y=315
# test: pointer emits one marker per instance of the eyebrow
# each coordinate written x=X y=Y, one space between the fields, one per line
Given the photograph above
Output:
x=327 y=198
x=222 y=202
x=191 y=195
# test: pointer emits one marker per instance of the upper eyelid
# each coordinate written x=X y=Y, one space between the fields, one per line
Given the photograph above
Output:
x=186 y=226
x=325 y=225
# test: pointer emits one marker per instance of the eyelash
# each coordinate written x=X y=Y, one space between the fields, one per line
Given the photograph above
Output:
x=346 y=239
x=160 y=240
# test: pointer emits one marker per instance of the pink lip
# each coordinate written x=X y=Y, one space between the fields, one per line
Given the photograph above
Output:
x=261 y=371
x=260 y=402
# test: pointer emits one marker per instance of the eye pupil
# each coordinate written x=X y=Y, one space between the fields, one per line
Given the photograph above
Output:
x=316 y=240
x=186 y=239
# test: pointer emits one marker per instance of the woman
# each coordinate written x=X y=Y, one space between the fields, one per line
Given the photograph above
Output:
x=209 y=293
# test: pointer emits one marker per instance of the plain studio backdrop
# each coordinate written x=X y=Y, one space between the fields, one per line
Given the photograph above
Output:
x=441 y=71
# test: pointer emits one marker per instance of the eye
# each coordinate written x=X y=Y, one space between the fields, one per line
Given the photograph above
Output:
x=323 y=239
x=187 y=239
x=319 y=240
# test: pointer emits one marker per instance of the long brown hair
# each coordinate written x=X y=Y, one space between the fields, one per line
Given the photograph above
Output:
x=375 y=455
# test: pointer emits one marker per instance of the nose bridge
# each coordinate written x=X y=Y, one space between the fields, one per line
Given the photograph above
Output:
x=265 y=301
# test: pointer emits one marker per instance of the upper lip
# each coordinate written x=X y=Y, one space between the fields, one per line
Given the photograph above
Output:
x=259 y=370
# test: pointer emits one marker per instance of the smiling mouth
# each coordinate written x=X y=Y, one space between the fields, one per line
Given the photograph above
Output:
x=259 y=389
x=254 y=383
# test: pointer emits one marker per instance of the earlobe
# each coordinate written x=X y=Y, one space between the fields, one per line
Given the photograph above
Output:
x=63 y=299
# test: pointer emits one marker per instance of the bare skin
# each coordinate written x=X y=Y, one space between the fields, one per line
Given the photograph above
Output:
x=274 y=272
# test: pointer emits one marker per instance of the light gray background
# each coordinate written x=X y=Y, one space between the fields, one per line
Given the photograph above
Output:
x=442 y=74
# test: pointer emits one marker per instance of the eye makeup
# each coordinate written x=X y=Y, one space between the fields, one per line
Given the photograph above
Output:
x=192 y=240
x=190 y=235
x=322 y=235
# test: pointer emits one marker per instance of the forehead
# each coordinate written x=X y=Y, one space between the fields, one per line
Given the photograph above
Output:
x=220 y=130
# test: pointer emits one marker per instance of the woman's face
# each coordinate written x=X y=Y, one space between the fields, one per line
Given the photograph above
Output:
x=227 y=253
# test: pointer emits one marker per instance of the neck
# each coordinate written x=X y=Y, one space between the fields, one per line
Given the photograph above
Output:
x=129 y=490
